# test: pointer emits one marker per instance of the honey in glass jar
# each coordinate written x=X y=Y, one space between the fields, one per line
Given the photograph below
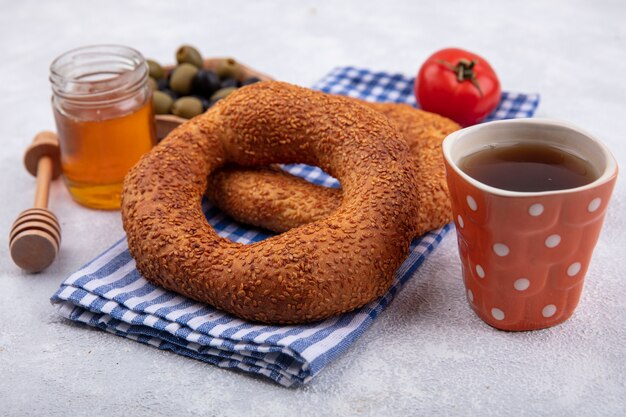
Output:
x=102 y=106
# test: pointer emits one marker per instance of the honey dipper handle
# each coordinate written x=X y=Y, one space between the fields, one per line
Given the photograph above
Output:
x=42 y=160
x=44 y=176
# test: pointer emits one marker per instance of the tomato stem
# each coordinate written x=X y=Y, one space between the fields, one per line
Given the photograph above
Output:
x=464 y=71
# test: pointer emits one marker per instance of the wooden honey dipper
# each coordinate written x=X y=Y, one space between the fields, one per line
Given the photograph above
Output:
x=36 y=235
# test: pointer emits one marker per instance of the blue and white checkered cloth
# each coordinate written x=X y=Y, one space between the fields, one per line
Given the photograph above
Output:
x=109 y=293
x=398 y=88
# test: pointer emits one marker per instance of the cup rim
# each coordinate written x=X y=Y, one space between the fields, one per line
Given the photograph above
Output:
x=609 y=172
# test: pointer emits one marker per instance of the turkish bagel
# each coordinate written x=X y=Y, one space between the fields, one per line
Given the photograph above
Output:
x=273 y=199
x=312 y=272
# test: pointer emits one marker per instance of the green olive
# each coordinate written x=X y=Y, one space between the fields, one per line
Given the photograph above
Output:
x=187 y=107
x=162 y=102
x=228 y=68
x=182 y=78
x=221 y=93
x=189 y=54
x=153 y=84
x=155 y=69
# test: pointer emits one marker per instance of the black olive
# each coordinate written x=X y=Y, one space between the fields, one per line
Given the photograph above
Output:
x=250 y=80
x=205 y=83
x=229 y=82
x=162 y=83
x=170 y=93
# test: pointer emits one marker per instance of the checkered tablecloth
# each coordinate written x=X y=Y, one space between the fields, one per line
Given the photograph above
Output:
x=109 y=293
x=398 y=88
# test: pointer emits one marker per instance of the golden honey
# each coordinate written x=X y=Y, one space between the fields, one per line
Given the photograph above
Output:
x=103 y=111
x=97 y=154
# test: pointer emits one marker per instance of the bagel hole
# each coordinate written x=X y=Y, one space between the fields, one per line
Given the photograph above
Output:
x=312 y=174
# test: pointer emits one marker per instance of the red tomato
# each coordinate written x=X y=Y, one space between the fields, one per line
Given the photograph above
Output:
x=459 y=85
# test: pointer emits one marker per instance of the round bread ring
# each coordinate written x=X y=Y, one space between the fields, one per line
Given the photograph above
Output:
x=309 y=273
x=273 y=199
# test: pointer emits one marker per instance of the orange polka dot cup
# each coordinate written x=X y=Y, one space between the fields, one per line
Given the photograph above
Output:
x=525 y=254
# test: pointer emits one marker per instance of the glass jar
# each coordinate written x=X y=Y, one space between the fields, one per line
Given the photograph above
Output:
x=102 y=106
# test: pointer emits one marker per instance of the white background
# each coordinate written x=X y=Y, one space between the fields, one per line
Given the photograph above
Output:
x=428 y=353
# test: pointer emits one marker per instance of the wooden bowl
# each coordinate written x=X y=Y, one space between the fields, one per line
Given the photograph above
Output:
x=165 y=123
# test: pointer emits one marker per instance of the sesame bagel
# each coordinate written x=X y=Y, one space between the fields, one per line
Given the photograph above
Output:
x=273 y=199
x=312 y=272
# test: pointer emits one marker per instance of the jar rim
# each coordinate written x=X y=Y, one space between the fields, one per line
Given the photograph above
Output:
x=103 y=72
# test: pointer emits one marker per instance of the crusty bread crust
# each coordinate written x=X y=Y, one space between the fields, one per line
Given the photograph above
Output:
x=318 y=270
x=275 y=200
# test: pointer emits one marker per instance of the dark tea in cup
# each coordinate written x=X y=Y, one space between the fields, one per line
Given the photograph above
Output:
x=528 y=167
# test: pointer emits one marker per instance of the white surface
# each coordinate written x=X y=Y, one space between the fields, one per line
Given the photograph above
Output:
x=428 y=353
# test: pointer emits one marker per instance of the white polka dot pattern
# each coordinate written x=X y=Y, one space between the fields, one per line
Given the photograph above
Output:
x=480 y=271
x=470 y=296
x=459 y=219
x=501 y=249
x=553 y=241
x=521 y=284
x=535 y=210
x=594 y=205
x=574 y=269
x=472 y=203
x=497 y=314
x=548 y=311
